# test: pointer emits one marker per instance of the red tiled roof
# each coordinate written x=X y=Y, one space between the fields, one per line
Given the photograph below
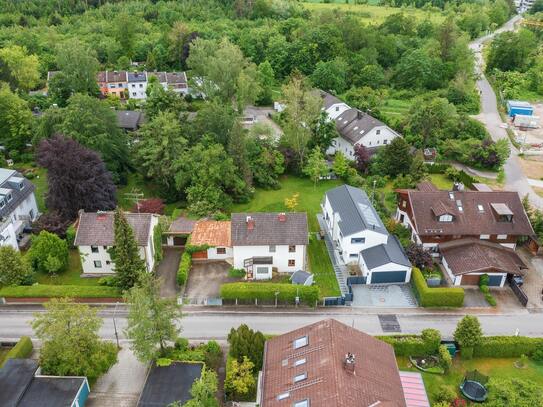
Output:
x=375 y=378
x=211 y=232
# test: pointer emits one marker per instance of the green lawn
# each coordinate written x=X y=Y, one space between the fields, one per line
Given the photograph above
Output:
x=497 y=368
x=374 y=14
x=3 y=353
x=441 y=181
x=395 y=108
x=273 y=200
x=321 y=266
x=72 y=276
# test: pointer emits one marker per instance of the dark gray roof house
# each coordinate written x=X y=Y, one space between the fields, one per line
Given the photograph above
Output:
x=355 y=210
x=14 y=189
x=137 y=76
x=21 y=387
x=263 y=228
x=380 y=255
x=329 y=100
x=130 y=120
x=353 y=124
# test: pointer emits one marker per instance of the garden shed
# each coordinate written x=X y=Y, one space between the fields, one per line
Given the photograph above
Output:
x=515 y=107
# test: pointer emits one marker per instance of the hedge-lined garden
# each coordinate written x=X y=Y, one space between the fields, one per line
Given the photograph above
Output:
x=414 y=345
x=435 y=297
x=265 y=292
x=184 y=268
x=58 y=291
x=507 y=347
x=21 y=350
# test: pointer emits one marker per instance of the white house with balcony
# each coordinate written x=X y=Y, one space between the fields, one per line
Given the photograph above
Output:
x=18 y=207
x=95 y=237
x=359 y=236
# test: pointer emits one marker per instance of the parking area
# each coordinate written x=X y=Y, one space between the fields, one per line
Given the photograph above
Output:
x=533 y=280
x=167 y=271
x=383 y=295
x=205 y=280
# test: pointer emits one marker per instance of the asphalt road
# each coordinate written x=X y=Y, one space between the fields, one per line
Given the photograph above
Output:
x=216 y=325
x=515 y=180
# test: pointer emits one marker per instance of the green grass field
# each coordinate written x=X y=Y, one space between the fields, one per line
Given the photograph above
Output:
x=497 y=368
x=3 y=352
x=395 y=108
x=441 y=181
x=72 y=276
x=321 y=266
x=373 y=14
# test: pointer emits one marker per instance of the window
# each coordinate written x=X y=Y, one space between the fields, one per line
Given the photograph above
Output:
x=502 y=237
x=105 y=247
x=133 y=86
x=134 y=93
x=108 y=262
x=300 y=377
x=484 y=237
x=97 y=264
x=446 y=218
x=300 y=342
x=94 y=249
x=8 y=197
x=261 y=270
x=120 y=85
x=22 y=186
x=353 y=255
x=404 y=204
x=271 y=248
x=337 y=108
x=385 y=141
x=292 y=249
x=377 y=131
x=358 y=240
x=2 y=203
x=141 y=85
x=480 y=208
x=112 y=86
x=283 y=396
x=300 y=362
x=302 y=403
x=221 y=250
x=291 y=263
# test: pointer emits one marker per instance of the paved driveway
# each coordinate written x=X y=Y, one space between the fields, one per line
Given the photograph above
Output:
x=383 y=295
x=121 y=385
x=533 y=280
x=167 y=271
x=205 y=280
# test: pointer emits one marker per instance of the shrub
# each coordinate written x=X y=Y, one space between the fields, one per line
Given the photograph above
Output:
x=537 y=355
x=240 y=383
x=266 y=292
x=413 y=345
x=236 y=273
x=157 y=242
x=21 y=350
x=484 y=289
x=507 y=347
x=445 y=393
x=181 y=344
x=14 y=268
x=445 y=359
x=70 y=236
x=213 y=355
x=48 y=253
x=58 y=291
x=184 y=268
x=435 y=297
x=484 y=280
x=246 y=342
x=431 y=337
x=468 y=334
x=490 y=299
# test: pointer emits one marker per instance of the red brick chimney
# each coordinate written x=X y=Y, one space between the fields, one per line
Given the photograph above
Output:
x=282 y=217
x=349 y=363
x=250 y=223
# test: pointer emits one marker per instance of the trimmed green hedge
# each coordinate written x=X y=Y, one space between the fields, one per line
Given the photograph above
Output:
x=435 y=297
x=184 y=268
x=266 y=292
x=506 y=346
x=414 y=345
x=53 y=291
x=21 y=350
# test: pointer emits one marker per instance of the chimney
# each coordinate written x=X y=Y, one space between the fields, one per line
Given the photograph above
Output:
x=349 y=363
x=359 y=114
x=250 y=223
x=282 y=217
x=101 y=215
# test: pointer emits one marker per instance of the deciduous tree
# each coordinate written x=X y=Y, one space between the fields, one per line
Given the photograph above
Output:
x=70 y=342
x=240 y=379
x=76 y=177
x=48 y=253
x=362 y=158
x=78 y=64
x=203 y=391
x=15 y=121
x=18 y=68
x=316 y=166
x=468 y=334
x=419 y=257
x=14 y=269
x=396 y=157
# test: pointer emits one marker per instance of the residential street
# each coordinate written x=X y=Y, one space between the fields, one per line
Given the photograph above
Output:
x=217 y=324
x=515 y=180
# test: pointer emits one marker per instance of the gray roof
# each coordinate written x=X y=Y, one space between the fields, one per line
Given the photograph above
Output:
x=137 y=77
x=355 y=210
x=176 y=77
x=353 y=124
x=329 y=99
x=96 y=228
x=391 y=252
x=182 y=225
x=269 y=229
x=299 y=277
x=129 y=119
x=9 y=183
x=20 y=388
x=161 y=76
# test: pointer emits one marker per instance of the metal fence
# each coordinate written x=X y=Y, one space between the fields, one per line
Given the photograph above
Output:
x=520 y=294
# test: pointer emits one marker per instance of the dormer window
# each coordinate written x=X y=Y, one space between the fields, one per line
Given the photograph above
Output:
x=446 y=218
x=21 y=186
x=2 y=203
x=9 y=197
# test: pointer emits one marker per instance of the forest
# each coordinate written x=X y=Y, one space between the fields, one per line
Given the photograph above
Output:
x=240 y=53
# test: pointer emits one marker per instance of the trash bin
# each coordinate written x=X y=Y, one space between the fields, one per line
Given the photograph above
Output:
x=451 y=347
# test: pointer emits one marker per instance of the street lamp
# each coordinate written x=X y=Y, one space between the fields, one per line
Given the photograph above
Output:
x=276 y=294
x=115 y=325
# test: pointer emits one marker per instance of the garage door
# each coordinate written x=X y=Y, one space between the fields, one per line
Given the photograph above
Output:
x=200 y=255
x=468 y=279
x=388 y=277
x=179 y=240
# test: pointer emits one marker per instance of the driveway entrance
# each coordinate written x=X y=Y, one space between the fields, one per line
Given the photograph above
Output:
x=389 y=295
x=167 y=271
x=205 y=280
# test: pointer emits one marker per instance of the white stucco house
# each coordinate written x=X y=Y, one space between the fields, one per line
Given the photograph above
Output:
x=95 y=236
x=265 y=241
x=355 y=127
x=18 y=207
x=137 y=85
x=359 y=236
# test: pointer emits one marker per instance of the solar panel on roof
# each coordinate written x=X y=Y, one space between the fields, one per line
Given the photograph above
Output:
x=369 y=215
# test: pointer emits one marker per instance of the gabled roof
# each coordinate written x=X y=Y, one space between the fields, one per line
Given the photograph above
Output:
x=374 y=382
x=129 y=119
x=391 y=252
x=111 y=76
x=479 y=213
x=329 y=100
x=96 y=228
x=214 y=233
x=176 y=78
x=269 y=228
x=355 y=210
x=137 y=76
x=353 y=124
x=10 y=181
x=161 y=76
x=472 y=255
x=182 y=225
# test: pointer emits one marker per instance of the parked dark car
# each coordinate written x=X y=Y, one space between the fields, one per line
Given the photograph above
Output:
x=519 y=280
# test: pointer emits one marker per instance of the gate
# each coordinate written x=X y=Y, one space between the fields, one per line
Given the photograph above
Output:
x=520 y=294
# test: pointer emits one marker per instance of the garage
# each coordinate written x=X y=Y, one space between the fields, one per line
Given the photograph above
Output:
x=383 y=277
x=179 y=240
x=470 y=279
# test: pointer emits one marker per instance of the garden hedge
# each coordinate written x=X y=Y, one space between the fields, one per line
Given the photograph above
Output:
x=21 y=350
x=184 y=268
x=414 y=345
x=54 y=291
x=266 y=292
x=435 y=297
x=506 y=346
